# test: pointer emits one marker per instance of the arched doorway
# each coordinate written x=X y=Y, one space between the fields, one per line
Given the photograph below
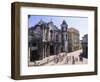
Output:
x=51 y=50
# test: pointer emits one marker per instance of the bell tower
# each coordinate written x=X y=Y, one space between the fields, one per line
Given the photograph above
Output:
x=64 y=36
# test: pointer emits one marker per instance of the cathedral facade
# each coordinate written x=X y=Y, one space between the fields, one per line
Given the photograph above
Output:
x=45 y=39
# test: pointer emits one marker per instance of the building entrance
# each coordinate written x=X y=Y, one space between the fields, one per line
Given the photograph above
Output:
x=51 y=50
x=34 y=55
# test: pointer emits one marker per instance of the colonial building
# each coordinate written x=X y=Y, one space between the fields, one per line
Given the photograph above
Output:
x=73 y=39
x=84 y=43
x=45 y=39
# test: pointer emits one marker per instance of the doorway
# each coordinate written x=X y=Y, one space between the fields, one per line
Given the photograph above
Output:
x=34 y=55
x=51 y=50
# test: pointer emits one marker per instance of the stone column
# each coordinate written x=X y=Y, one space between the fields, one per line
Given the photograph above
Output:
x=55 y=50
x=29 y=54
x=48 y=51
x=45 y=51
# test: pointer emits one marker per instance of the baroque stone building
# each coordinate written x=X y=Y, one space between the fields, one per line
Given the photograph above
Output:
x=73 y=39
x=84 y=43
x=45 y=39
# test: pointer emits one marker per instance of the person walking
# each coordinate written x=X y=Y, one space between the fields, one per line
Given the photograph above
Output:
x=73 y=60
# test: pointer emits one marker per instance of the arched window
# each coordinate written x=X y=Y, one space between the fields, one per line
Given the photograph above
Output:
x=51 y=34
x=66 y=36
x=57 y=38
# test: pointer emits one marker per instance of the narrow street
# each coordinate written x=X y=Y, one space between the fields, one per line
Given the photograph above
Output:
x=71 y=58
x=62 y=59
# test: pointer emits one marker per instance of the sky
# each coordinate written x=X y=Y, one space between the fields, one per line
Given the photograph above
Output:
x=79 y=23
